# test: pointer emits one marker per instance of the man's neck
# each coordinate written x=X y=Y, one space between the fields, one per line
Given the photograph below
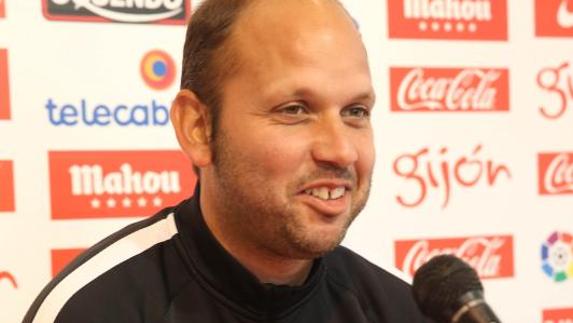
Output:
x=263 y=264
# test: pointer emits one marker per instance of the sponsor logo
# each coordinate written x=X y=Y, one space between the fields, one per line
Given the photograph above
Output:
x=8 y=277
x=4 y=86
x=172 y=12
x=62 y=257
x=94 y=115
x=557 y=81
x=558 y=315
x=90 y=184
x=6 y=186
x=448 y=19
x=2 y=9
x=427 y=170
x=555 y=173
x=554 y=18
x=417 y=89
x=557 y=256
x=157 y=70
x=490 y=256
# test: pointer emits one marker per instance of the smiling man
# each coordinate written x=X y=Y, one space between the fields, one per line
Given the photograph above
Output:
x=274 y=114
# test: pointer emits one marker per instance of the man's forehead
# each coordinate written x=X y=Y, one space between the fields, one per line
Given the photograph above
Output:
x=293 y=27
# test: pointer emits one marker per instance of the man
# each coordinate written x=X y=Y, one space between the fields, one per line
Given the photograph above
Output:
x=274 y=113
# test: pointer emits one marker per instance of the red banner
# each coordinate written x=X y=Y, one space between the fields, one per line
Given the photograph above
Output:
x=90 y=184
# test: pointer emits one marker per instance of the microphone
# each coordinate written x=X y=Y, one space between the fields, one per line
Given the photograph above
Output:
x=448 y=290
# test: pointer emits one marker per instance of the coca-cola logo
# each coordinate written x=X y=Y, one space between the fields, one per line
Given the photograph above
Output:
x=6 y=186
x=172 y=12
x=490 y=256
x=440 y=170
x=554 y=18
x=448 y=19
x=558 y=315
x=60 y=258
x=4 y=86
x=417 y=89
x=557 y=81
x=555 y=173
x=86 y=184
x=2 y=9
x=6 y=276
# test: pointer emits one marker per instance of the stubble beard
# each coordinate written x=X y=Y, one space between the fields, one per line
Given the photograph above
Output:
x=252 y=215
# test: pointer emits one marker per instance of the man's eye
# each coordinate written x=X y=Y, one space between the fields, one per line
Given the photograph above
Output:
x=295 y=109
x=356 y=112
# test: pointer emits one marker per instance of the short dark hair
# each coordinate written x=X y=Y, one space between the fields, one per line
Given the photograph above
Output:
x=207 y=58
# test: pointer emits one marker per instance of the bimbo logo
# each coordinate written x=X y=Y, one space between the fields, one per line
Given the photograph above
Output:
x=448 y=19
x=443 y=171
x=558 y=315
x=418 y=89
x=4 y=86
x=555 y=173
x=62 y=257
x=157 y=69
x=6 y=186
x=490 y=256
x=554 y=18
x=174 y=12
x=557 y=81
x=86 y=184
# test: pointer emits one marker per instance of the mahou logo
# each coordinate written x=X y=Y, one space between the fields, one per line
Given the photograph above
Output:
x=554 y=18
x=558 y=315
x=4 y=86
x=555 y=173
x=172 y=12
x=6 y=186
x=88 y=184
x=418 y=89
x=448 y=19
x=490 y=256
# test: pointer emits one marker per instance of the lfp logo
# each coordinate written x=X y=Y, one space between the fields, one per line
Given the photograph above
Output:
x=557 y=256
x=157 y=69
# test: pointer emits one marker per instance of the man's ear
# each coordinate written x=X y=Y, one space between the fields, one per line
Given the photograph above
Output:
x=190 y=118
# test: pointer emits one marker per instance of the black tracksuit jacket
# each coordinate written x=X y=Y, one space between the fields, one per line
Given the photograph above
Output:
x=170 y=269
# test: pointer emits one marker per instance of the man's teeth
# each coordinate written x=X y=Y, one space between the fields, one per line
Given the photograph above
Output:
x=324 y=193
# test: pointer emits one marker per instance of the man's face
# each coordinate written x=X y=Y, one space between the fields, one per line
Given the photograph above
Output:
x=294 y=152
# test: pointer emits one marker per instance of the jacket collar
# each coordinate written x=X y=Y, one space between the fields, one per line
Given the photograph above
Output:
x=225 y=276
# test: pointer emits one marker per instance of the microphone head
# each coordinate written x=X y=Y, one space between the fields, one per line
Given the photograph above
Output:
x=440 y=283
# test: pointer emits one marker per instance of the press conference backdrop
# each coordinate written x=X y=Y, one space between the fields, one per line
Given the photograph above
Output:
x=473 y=127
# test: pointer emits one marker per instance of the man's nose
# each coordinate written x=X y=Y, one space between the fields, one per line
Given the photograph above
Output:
x=333 y=144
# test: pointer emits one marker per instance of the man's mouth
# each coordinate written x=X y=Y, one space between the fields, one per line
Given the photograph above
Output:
x=326 y=193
